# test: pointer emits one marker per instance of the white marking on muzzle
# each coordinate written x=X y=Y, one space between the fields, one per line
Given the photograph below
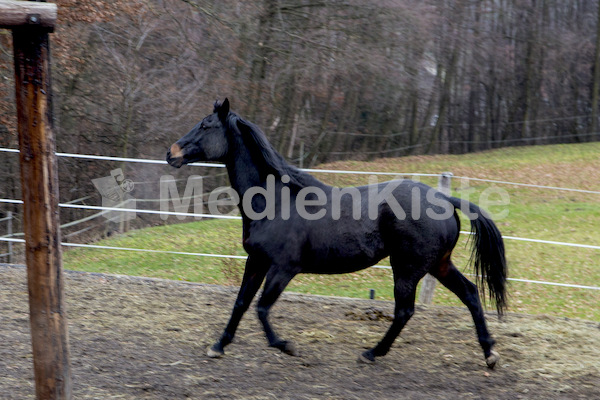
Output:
x=176 y=151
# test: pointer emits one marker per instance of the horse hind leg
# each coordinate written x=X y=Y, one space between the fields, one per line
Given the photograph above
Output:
x=467 y=292
x=404 y=294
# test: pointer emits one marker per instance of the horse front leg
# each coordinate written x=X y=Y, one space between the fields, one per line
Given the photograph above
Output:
x=277 y=280
x=254 y=274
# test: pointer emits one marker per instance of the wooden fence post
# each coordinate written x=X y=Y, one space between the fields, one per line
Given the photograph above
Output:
x=428 y=283
x=30 y=23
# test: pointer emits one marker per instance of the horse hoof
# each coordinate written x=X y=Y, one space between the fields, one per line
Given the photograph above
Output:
x=492 y=360
x=212 y=353
x=366 y=358
x=290 y=349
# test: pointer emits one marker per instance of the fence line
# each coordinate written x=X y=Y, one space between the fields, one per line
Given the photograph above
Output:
x=174 y=213
x=414 y=146
x=68 y=224
x=161 y=162
x=11 y=201
x=555 y=284
x=106 y=210
x=531 y=139
x=340 y=171
x=212 y=165
x=134 y=210
x=184 y=253
x=528 y=185
x=585 y=246
x=123 y=159
x=314 y=170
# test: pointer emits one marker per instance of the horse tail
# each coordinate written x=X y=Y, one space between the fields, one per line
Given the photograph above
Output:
x=487 y=252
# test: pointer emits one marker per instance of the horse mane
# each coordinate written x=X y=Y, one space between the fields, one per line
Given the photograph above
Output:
x=257 y=142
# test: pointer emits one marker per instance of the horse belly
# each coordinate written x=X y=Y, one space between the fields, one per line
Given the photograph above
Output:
x=343 y=255
x=340 y=266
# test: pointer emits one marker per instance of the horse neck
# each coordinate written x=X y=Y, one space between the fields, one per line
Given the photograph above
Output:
x=243 y=173
x=246 y=172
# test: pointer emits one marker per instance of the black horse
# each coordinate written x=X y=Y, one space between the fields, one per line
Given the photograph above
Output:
x=293 y=223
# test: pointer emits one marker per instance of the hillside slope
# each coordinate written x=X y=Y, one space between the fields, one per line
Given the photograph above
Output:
x=536 y=213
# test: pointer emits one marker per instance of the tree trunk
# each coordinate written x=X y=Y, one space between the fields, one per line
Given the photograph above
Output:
x=260 y=61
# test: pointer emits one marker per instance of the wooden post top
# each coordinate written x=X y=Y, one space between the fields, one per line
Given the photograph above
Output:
x=14 y=14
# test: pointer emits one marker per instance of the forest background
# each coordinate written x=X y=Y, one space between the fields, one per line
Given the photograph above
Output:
x=326 y=80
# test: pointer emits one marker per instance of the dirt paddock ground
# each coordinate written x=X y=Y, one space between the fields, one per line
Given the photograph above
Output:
x=137 y=338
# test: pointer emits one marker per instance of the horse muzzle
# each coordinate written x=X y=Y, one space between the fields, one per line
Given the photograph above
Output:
x=175 y=156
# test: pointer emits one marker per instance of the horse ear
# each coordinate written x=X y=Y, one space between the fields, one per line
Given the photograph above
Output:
x=223 y=110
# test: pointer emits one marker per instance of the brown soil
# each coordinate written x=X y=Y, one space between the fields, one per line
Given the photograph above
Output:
x=136 y=338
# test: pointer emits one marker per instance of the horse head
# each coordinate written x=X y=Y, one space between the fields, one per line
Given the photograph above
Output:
x=207 y=141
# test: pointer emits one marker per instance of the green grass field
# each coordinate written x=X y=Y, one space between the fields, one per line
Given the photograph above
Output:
x=532 y=213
